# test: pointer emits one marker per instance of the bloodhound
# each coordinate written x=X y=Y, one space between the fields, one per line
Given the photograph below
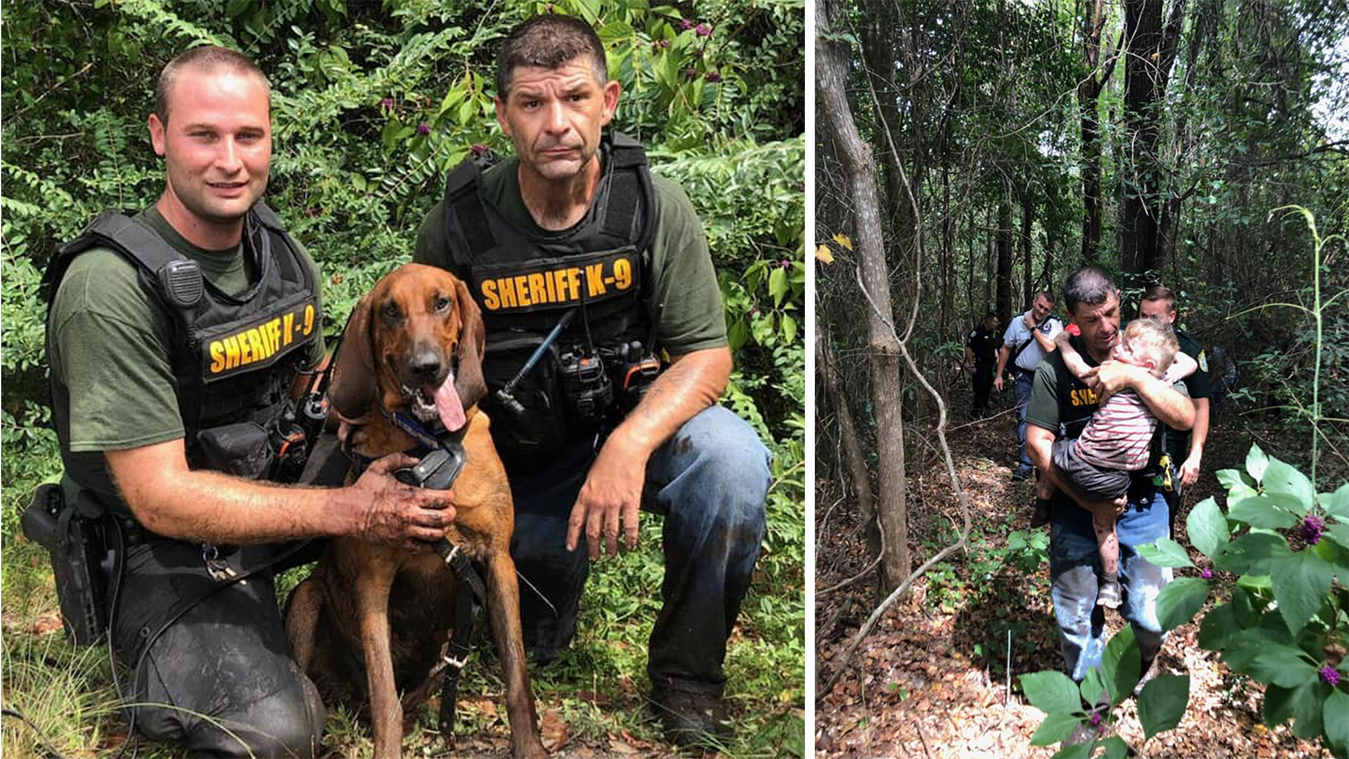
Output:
x=372 y=619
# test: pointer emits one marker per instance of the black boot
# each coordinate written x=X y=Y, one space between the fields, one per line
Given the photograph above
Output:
x=690 y=719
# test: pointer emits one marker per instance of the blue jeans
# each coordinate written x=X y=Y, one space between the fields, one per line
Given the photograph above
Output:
x=1074 y=564
x=710 y=482
x=1021 y=389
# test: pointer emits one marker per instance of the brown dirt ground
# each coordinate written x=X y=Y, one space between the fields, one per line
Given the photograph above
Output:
x=932 y=680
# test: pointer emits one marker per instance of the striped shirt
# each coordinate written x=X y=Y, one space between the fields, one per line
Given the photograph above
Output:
x=1119 y=434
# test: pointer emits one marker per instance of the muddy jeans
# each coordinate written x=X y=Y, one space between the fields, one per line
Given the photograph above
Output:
x=710 y=482
x=1074 y=564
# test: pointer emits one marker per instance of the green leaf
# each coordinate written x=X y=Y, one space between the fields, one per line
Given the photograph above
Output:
x=789 y=328
x=1207 y=527
x=1079 y=751
x=1230 y=478
x=1284 y=479
x=1054 y=729
x=1162 y=703
x=1093 y=687
x=1217 y=626
x=1283 y=665
x=777 y=285
x=737 y=334
x=1251 y=553
x=1301 y=581
x=236 y=7
x=1166 y=553
x=1256 y=462
x=1180 y=600
x=1260 y=511
x=1336 y=722
x=1244 y=646
x=1337 y=504
x=1120 y=665
x=1115 y=747
x=1051 y=692
x=1238 y=494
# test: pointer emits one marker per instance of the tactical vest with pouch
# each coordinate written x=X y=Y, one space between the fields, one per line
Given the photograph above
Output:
x=234 y=357
x=526 y=282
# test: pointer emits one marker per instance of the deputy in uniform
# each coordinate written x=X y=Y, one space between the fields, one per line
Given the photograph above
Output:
x=1060 y=405
x=1184 y=450
x=175 y=337
x=1028 y=339
x=981 y=353
x=579 y=255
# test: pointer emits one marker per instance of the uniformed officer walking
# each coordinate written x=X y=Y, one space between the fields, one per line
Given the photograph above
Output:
x=1184 y=450
x=981 y=355
x=1029 y=338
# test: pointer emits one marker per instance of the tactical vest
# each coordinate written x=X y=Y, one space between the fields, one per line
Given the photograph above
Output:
x=234 y=357
x=525 y=283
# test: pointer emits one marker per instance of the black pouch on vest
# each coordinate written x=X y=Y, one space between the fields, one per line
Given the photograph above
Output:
x=242 y=449
x=76 y=549
x=534 y=423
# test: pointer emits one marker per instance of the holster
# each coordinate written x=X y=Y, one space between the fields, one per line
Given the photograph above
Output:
x=74 y=543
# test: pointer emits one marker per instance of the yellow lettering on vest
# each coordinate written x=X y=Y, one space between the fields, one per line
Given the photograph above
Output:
x=508 y=299
x=309 y=319
x=288 y=329
x=550 y=278
x=231 y=352
x=217 y=357
x=489 y=295
x=573 y=283
x=595 y=278
x=521 y=283
x=538 y=292
x=274 y=328
x=623 y=273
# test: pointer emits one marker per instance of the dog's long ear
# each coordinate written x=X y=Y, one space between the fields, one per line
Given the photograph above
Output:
x=468 y=379
x=353 y=386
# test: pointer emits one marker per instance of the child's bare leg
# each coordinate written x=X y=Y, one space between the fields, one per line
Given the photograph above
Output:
x=1107 y=542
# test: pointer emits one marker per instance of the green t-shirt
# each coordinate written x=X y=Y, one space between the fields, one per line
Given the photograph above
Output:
x=111 y=347
x=1058 y=396
x=680 y=291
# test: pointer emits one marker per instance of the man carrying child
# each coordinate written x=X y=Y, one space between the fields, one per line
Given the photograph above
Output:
x=1061 y=405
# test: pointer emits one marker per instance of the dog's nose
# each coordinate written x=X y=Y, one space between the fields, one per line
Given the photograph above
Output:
x=425 y=363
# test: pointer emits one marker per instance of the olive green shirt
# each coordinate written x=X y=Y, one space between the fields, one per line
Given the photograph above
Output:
x=112 y=347
x=679 y=290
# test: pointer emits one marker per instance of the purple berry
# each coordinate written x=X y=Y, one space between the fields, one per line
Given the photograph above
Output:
x=1311 y=529
x=712 y=76
x=704 y=30
x=1207 y=574
x=1330 y=675
x=386 y=103
x=478 y=149
x=685 y=24
x=691 y=73
x=1095 y=719
x=423 y=129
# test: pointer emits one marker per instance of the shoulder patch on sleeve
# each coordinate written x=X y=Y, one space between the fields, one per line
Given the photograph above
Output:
x=1203 y=361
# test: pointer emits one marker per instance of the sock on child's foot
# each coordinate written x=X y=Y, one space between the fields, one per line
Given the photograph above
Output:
x=1041 y=515
x=1109 y=595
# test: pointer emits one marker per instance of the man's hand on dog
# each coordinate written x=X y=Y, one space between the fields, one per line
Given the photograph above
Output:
x=397 y=513
x=612 y=491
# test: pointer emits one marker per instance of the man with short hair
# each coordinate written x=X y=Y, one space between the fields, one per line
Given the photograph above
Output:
x=1060 y=406
x=1028 y=339
x=581 y=257
x=981 y=352
x=1184 y=450
x=175 y=338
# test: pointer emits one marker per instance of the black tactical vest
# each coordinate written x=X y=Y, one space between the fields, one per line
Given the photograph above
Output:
x=234 y=356
x=525 y=283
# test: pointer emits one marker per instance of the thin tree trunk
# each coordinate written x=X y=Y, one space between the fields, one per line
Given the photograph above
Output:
x=1005 y=259
x=859 y=167
x=1088 y=98
x=854 y=461
x=1027 y=223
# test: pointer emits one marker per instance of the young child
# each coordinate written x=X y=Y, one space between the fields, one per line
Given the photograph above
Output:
x=1116 y=440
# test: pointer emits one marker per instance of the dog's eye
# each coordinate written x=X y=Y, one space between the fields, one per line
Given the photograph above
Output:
x=442 y=303
x=391 y=311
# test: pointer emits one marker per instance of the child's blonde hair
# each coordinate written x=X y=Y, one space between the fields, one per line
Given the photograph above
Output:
x=1154 y=340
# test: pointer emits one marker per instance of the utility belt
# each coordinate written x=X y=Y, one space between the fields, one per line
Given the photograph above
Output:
x=545 y=395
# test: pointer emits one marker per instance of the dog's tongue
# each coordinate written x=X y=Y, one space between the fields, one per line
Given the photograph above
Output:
x=448 y=405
